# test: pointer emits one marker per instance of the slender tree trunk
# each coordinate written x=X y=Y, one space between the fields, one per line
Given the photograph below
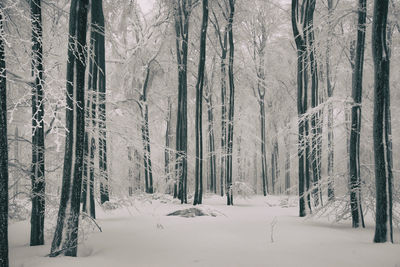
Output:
x=211 y=140
x=38 y=149
x=263 y=147
x=329 y=86
x=229 y=193
x=287 y=164
x=167 y=149
x=3 y=151
x=98 y=24
x=381 y=124
x=65 y=239
x=198 y=193
x=355 y=180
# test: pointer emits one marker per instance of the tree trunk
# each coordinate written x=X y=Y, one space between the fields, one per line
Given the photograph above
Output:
x=198 y=193
x=167 y=149
x=211 y=142
x=65 y=239
x=329 y=86
x=228 y=170
x=287 y=164
x=38 y=149
x=302 y=16
x=182 y=14
x=98 y=25
x=3 y=151
x=358 y=62
x=381 y=124
x=263 y=147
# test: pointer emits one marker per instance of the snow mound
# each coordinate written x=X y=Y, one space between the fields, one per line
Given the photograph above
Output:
x=190 y=213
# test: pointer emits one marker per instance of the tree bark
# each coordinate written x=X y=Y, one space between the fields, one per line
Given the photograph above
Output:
x=182 y=11
x=355 y=180
x=381 y=124
x=330 y=87
x=3 y=151
x=65 y=240
x=228 y=170
x=38 y=148
x=198 y=193
x=302 y=17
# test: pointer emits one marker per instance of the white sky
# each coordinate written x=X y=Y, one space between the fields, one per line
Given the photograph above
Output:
x=146 y=5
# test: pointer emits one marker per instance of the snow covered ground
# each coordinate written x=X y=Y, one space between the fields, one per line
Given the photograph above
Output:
x=255 y=232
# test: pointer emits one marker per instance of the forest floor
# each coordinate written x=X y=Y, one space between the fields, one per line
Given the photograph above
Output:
x=254 y=232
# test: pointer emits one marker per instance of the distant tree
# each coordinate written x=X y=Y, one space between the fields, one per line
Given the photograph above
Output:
x=259 y=43
x=212 y=163
x=38 y=148
x=354 y=156
x=3 y=150
x=198 y=195
x=222 y=36
x=65 y=240
x=382 y=124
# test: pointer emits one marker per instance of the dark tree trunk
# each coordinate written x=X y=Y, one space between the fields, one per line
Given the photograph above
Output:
x=144 y=111
x=38 y=149
x=182 y=11
x=228 y=170
x=3 y=151
x=198 y=193
x=358 y=63
x=98 y=24
x=222 y=35
x=381 y=124
x=302 y=16
x=329 y=86
x=65 y=239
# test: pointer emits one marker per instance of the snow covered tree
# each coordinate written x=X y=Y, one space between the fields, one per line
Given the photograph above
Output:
x=65 y=240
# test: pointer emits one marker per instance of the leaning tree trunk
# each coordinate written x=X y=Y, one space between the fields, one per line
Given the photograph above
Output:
x=65 y=240
x=37 y=175
x=228 y=170
x=3 y=151
x=381 y=124
x=198 y=193
x=358 y=62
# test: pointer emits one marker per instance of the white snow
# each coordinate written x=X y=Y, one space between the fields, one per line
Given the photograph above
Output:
x=240 y=235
